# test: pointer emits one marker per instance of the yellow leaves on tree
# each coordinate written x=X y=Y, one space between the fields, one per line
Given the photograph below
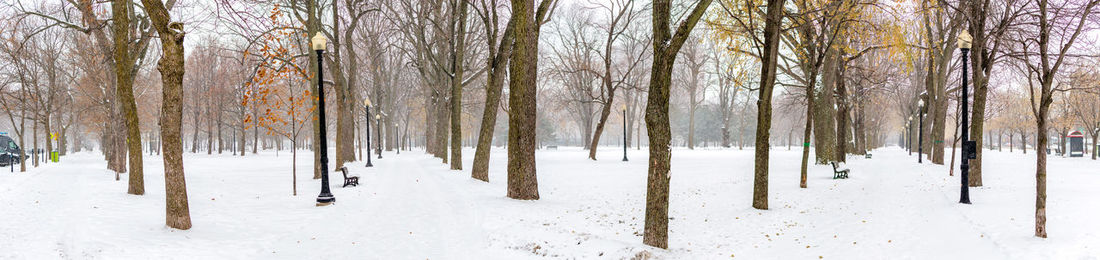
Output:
x=270 y=93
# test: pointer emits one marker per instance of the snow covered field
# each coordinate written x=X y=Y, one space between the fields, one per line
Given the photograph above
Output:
x=411 y=207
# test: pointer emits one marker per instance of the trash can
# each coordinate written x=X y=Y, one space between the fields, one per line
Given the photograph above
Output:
x=53 y=156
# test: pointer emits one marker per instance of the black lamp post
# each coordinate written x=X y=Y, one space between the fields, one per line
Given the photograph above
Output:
x=624 y=133
x=378 y=120
x=398 y=133
x=920 y=131
x=964 y=42
x=325 y=198
x=906 y=141
x=909 y=135
x=366 y=101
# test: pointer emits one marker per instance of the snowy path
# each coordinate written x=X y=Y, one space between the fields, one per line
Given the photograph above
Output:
x=410 y=206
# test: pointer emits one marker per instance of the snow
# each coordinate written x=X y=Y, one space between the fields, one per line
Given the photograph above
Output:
x=410 y=206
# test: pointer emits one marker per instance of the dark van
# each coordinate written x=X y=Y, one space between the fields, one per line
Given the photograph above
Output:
x=9 y=150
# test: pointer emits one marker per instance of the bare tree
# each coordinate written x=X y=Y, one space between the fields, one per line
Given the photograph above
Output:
x=171 y=68
x=694 y=81
x=522 y=88
x=1042 y=51
x=500 y=48
x=667 y=44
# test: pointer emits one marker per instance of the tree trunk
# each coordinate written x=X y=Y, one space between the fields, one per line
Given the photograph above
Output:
x=1041 y=167
x=773 y=20
x=458 y=51
x=171 y=68
x=1094 y=145
x=978 y=60
x=1023 y=143
x=34 y=142
x=605 y=112
x=806 y=135
x=660 y=136
x=842 y=120
x=522 y=117
x=691 y=123
x=498 y=60
x=825 y=142
x=195 y=134
x=665 y=48
x=294 y=166
x=442 y=122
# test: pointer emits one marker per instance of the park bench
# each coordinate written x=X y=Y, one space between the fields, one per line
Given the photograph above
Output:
x=868 y=156
x=552 y=147
x=839 y=172
x=349 y=180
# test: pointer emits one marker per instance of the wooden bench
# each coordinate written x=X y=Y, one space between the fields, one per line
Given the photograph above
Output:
x=552 y=147
x=839 y=172
x=868 y=156
x=349 y=180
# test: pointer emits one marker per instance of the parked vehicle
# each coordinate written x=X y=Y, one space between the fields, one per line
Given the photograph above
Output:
x=9 y=151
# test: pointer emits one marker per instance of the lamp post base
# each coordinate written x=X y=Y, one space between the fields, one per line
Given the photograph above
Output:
x=325 y=199
x=624 y=159
x=369 y=164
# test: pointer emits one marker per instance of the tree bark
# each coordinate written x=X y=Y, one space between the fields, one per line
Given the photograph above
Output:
x=825 y=142
x=522 y=117
x=498 y=60
x=171 y=68
x=842 y=119
x=977 y=10
x=459 y=51
x=806 y=136
x=1041 y=172
x=666 y=46
x=773 y=20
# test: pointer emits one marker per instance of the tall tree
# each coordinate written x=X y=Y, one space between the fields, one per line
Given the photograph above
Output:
x=499 y=51
x=989 y=36
x=769 y=53
x=522 y=88
x=124 y=66
x=458 y=51
x=666 y=46
x=1043 y=51
x=694 y=81
x=620 y=16
x=171 y=69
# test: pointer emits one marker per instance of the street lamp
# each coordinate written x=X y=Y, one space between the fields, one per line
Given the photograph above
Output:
x=907 y=137
x=920 y=131
x=378 y=121
x=909 y=144
x=624 y=133
x=396 y=129
x=964 y=42
x=366 y=101
x=325 y=198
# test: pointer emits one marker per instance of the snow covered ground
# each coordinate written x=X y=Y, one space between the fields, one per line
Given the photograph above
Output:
x=411 y=207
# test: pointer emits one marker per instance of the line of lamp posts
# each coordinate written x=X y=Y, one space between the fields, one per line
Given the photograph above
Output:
x=969 y=148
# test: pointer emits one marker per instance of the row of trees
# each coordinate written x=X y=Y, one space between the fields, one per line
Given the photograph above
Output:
x=835 y=74
x=60 y=50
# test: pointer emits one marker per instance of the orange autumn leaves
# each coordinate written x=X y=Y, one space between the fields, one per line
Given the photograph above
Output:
x=276 y=93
